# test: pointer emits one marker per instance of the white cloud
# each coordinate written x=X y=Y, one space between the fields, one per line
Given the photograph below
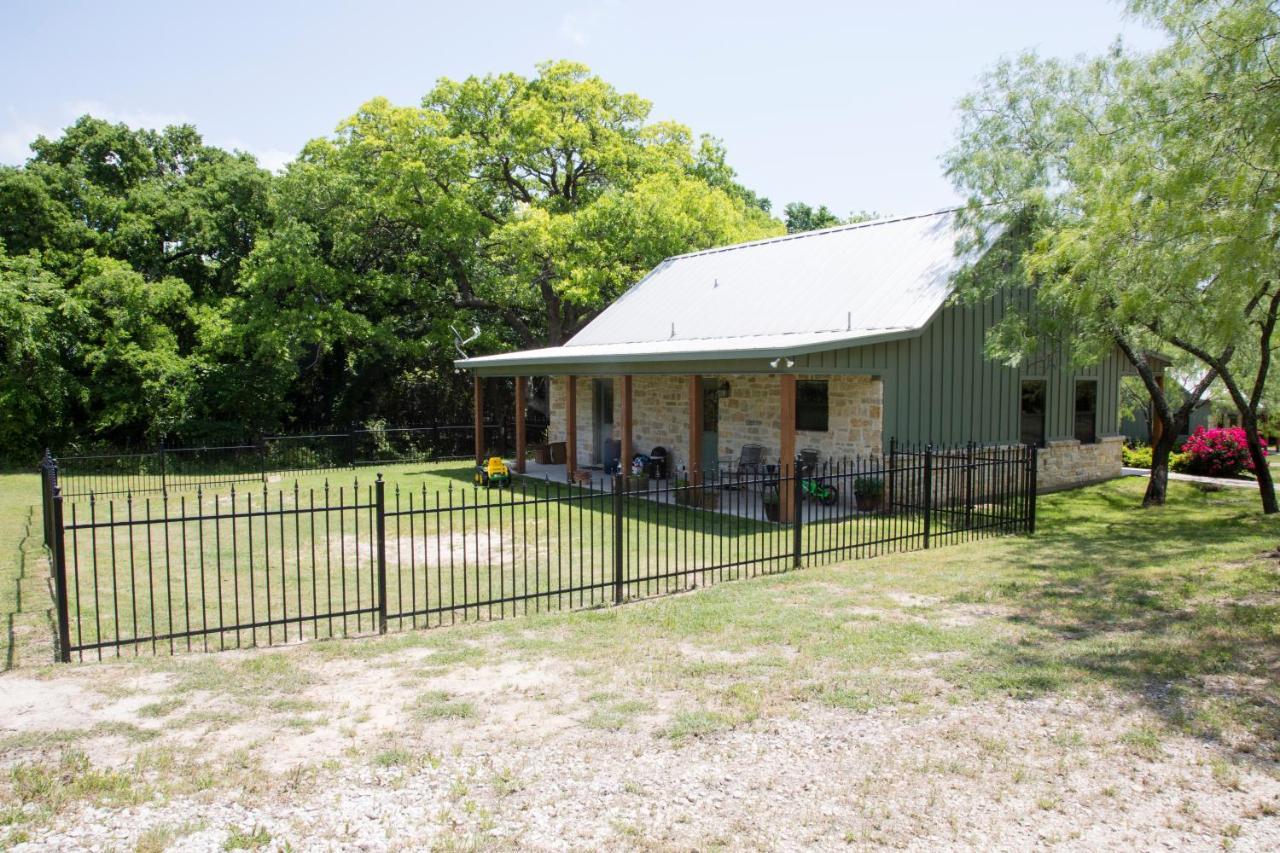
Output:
x=573 y=29
x=17 y=134
x=271 y=159
x=134 y=118
x=580 y=26
x=15 y=141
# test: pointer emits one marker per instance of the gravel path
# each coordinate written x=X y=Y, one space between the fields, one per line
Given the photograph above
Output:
x=1007 y=775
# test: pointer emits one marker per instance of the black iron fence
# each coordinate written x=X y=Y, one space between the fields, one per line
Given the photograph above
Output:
x=244 y=567
x=170 y=469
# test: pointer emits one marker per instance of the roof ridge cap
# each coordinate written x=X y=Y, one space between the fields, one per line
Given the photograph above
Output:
x=817 y=232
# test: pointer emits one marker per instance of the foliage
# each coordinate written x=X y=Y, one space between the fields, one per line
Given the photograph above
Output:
x=1220 y=452
x=1140 y=457
x=1138 y=193
x=871 y=488
x=154 y=286
x=1136 y=457
x=803 y=217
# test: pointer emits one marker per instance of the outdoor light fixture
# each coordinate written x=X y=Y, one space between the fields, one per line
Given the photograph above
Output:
x=723 y=390
x=777 y=361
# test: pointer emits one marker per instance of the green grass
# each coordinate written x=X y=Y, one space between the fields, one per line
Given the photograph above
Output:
x=139 y=573
x=1172 y=604
x=1171 y=615
x=439 y=705
x=1177 y=605
x=25 y=632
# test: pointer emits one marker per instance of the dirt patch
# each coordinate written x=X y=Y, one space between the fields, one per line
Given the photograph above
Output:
x=1004 y=774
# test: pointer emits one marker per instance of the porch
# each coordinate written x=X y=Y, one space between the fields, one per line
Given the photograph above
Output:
x=703 y=423
x=741 y=497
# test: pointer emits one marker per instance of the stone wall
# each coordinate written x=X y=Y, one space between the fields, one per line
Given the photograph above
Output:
x=1067 y=463
x=557 y=396
x=749 y=415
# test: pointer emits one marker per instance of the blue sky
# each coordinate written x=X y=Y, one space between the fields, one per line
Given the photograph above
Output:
x=845 y=104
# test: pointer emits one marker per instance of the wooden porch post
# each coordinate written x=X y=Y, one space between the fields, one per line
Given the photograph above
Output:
x=522 y=384
x=787 y=446
x=624 y=461
x=571 y=425
x=478 y=416
x=695 y=430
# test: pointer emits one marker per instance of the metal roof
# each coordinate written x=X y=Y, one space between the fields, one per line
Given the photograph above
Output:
x=800 y=293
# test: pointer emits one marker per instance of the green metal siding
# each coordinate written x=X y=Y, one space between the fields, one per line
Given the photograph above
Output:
x=939 y=386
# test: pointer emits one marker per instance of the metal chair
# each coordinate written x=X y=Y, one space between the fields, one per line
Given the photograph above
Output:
x=750 y=463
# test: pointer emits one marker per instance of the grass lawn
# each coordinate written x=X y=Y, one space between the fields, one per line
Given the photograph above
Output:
x=297 y=559
x=1111 y=681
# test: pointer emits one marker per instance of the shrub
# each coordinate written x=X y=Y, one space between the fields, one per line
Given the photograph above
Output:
x=1217 y=452
x=1140 y=457
x=871 y=488
x=1136 y=457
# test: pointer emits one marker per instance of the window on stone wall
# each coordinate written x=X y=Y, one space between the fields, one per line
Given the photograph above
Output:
x=1033 y=403
x=811 y=406
x=1087 y=411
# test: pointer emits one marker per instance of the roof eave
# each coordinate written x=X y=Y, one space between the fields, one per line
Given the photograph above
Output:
x=566 y=358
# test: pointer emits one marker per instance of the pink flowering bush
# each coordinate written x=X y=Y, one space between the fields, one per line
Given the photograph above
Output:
x=1217 y=452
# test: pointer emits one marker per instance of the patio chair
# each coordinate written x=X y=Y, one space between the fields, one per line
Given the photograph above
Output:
x=807 y=463
x=750 y=463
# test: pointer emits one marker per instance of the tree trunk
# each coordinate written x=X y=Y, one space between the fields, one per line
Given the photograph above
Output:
x=1158 y=482
x=1258 y=454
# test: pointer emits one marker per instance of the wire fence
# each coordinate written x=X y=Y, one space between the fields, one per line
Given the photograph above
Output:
x=257 y=566
x=170 y=469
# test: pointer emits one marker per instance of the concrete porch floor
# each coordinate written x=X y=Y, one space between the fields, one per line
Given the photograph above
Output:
x=740 y=501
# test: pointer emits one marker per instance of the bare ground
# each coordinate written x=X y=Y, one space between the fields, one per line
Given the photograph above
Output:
x=395 y=752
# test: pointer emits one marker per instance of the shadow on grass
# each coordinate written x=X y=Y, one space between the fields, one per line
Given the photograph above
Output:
x=1179 y=605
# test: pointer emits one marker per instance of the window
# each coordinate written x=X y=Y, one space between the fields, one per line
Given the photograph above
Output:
x=1033 y=412
x=811 y=406
x=1087 y=411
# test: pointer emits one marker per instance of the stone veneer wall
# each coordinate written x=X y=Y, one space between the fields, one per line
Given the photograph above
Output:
x=1066 y=463
x=749 y=415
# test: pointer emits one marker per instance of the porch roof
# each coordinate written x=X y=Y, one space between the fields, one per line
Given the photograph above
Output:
x=741 y=347
x=846 y=286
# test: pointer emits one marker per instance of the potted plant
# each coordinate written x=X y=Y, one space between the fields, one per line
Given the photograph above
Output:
x=680 y=493
x=868 y=493
x=638 y=478
x=769 y=497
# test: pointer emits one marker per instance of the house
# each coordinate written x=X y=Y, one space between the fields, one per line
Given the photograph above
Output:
x=839 y=340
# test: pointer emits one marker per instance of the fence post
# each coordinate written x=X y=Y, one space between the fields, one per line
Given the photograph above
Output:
x=619 y=509
x=380 y=500
x=893 y=476
x=46 y=497
x=968 y=488
x=164 y=489
x=59 y=554
x=797 y=546
x=262 y=456
x=928 y=491
x=1032 y=486
x=351 y=445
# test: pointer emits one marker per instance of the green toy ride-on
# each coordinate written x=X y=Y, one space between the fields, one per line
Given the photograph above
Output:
x=493 y=472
